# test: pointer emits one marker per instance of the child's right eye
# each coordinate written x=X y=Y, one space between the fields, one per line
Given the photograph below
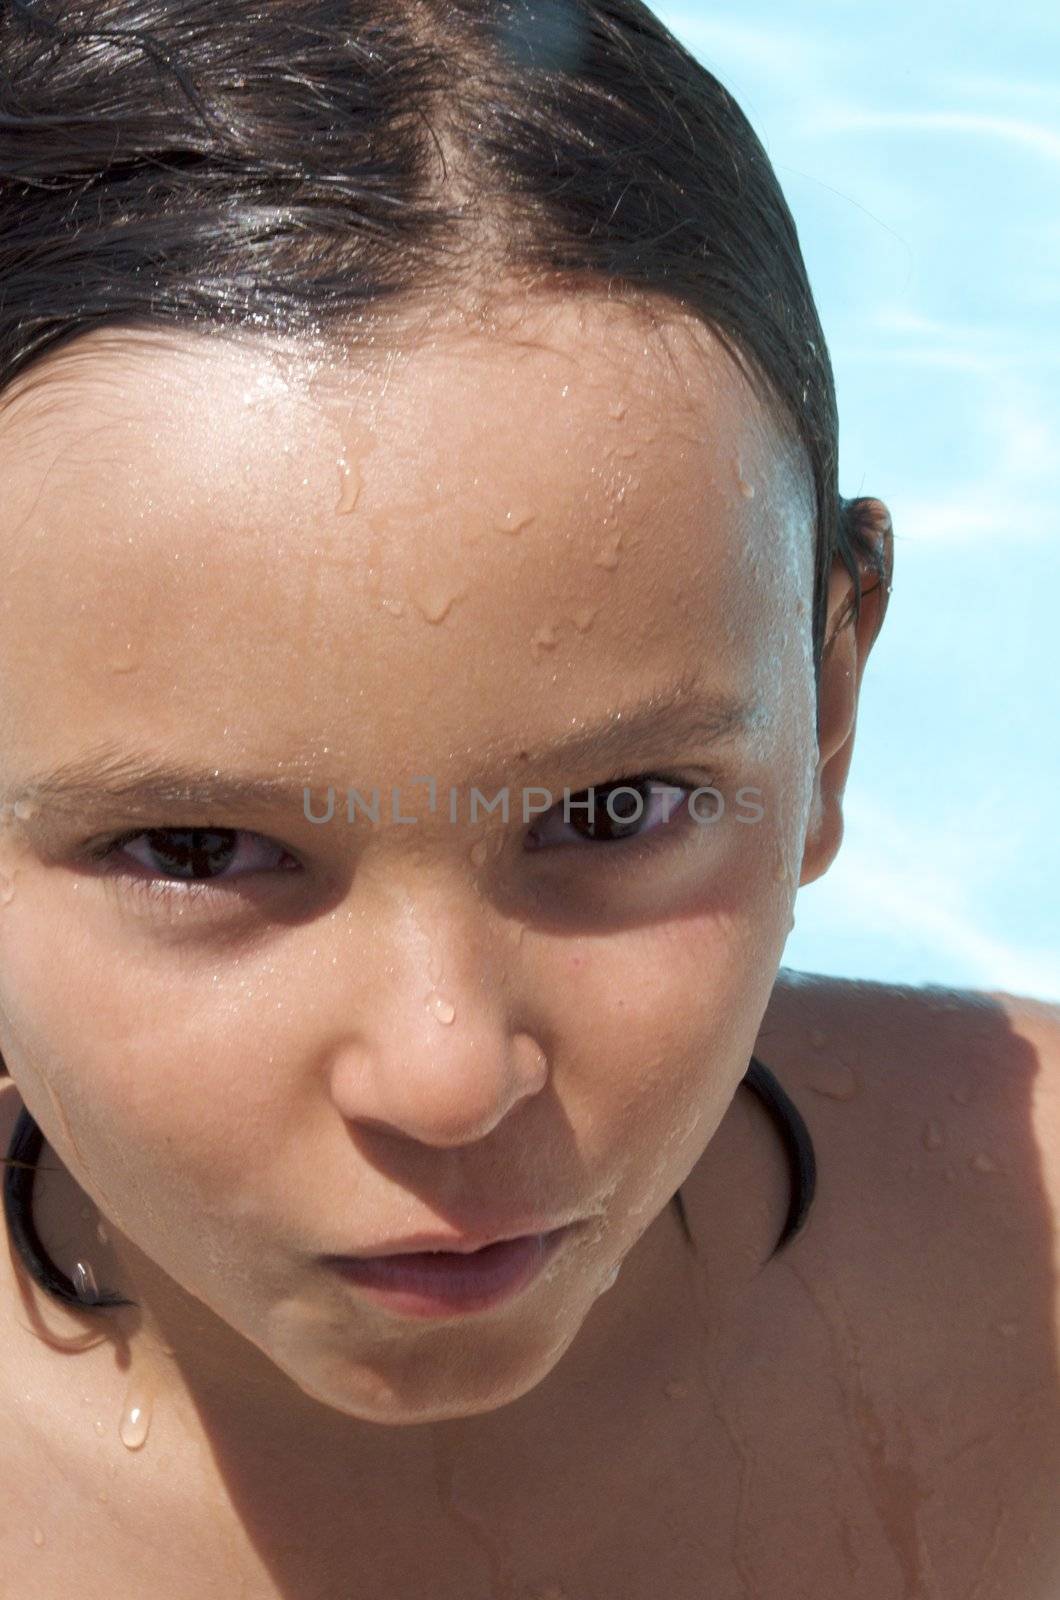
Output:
x=173 y=857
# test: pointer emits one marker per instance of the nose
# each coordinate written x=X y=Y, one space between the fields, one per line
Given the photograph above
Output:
x=426 y=1038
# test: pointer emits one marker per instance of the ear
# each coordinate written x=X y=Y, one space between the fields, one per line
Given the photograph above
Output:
x=846 y=650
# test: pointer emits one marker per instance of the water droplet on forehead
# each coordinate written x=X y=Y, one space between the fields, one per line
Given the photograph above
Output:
x=349 y=486
x=617 y=410
x=515 y=520
x=931 y=1138
x=608 y=554
x=583 y=618
x=127 y=661
x=435 y=600
x=745 y=488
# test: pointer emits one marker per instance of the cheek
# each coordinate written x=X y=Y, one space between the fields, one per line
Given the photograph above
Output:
x=659 y=1022
x=130 y=1067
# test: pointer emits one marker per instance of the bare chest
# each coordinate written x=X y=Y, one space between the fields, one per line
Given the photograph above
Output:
x=815 y=1446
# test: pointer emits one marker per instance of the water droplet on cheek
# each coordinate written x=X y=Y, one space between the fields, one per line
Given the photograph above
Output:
x=126 y=662
x=7 y=889
x=545 y=638
x=24 y=810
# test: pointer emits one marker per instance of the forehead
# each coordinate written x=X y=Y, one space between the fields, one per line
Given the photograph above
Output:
x=623 y=372
x=561 y=485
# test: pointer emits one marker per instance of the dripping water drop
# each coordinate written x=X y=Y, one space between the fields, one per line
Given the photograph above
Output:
x=349 y=486
x=136 y=1413
x=442 y=1008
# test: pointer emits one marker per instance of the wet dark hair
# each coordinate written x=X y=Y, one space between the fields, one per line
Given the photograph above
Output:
x=310 y=168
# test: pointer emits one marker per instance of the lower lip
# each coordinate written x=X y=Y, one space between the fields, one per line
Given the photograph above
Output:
x=447 y=1284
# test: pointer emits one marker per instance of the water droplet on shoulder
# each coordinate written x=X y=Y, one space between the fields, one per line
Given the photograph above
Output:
x=442 y=1008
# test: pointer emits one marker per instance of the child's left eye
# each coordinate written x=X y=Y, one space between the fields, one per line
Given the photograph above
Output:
x=197 y=855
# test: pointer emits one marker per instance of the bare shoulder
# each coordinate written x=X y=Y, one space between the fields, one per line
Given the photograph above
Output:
x=939 y=1110
x=932 y=1246
x=961 y=1083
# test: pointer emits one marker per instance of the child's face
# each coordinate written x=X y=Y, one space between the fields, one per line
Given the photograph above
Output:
x=219 y=559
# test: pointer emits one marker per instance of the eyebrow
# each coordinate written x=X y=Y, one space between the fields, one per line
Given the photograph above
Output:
x=137 y=781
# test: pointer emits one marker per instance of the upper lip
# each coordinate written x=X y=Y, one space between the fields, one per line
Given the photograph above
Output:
x=462 y=1244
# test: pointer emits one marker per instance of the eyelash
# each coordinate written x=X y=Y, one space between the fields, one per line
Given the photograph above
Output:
x=161 y=889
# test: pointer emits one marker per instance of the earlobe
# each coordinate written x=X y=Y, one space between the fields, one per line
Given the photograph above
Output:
x=846 y=650
x=837 y=717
